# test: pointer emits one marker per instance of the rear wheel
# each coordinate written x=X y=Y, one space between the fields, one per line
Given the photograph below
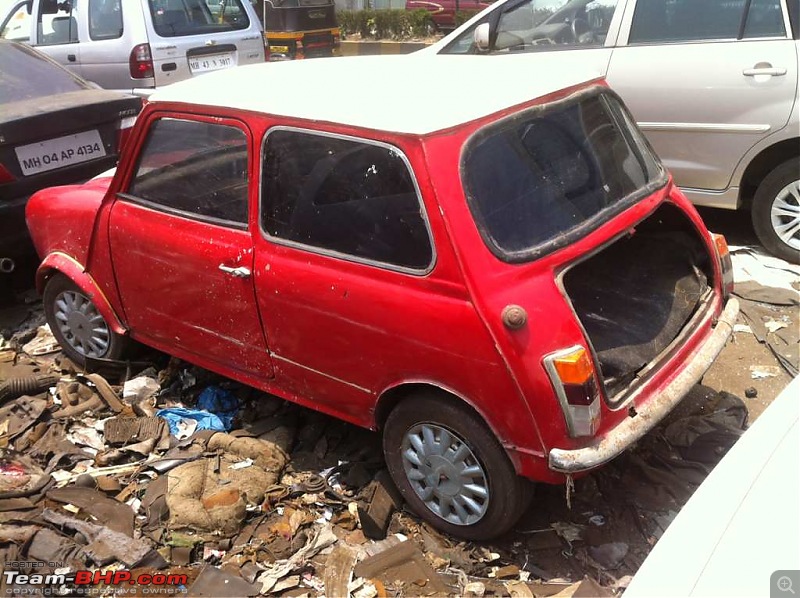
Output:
x=77 y=324
x=450 y=468
x=776 y=211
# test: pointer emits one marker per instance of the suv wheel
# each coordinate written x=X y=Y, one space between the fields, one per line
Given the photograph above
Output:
x=776 y=211
x=451 y=470
x=77 y=324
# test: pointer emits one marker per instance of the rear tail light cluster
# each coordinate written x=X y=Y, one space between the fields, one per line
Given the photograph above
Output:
x=725 y=263
x=141 y=62
x=5 y=175
x=573 y=378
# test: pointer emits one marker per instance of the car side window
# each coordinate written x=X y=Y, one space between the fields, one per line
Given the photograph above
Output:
x=105 y=19
x=17 y=25
x=197 y=169
x=56 y=23
x=693 y=20
x=351 y=197
x=537 y=25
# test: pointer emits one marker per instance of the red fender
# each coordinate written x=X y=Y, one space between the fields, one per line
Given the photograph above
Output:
x=72 y=269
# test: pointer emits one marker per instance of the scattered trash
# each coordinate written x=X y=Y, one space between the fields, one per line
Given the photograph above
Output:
x=191 y=419
x=610 y=555
x=597 y=520
x=43 y=343
x=221 y=403
x=750 y=392
x=758 y=372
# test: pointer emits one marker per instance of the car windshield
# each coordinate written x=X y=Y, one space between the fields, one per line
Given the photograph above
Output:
x=540 y=179
x=174 y=18
x=25 y=74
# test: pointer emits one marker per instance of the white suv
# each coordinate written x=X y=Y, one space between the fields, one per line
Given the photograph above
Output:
x=137 y=45
x=712 y=83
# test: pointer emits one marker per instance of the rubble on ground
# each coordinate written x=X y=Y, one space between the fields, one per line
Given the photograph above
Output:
x=156 y=465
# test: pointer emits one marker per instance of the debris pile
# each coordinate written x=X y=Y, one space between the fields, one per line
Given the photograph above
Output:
x=159 y=466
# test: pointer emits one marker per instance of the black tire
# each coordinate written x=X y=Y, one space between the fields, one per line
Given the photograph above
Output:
x=508 y=494
x=766 y=196
x=54 y=292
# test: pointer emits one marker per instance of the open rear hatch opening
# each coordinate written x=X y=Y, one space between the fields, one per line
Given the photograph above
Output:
x=636 y=295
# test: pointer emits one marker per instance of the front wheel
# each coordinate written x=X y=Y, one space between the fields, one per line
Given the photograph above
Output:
x=76 y=323
x=450 y=468
x=776 y=211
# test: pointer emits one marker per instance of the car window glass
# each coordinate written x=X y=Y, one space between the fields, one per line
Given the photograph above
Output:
x=173 y=18
x=26 y=74
x=351 y=197
x=765 y=19
x=17 y=25
x=534 y=179
x=538 y=25
x=59 y=26
x=196 y=168
x=686 y=20
x=105 y=19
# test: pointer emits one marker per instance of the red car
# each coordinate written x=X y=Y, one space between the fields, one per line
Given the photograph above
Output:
x=443 y=12
x=509 y=288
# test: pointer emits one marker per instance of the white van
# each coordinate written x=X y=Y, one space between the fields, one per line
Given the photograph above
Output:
x=138 y=45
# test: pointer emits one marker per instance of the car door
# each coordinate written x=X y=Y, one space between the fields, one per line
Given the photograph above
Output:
x=706 y=80
x=56 y=31
x=568 y=33
x=180 y=245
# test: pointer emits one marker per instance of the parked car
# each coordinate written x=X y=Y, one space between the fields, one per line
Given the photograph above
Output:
x=714 y=86
x=138 y=45
x=55 y=128
x=443 y=12
x=753 y=492
x=509 y=287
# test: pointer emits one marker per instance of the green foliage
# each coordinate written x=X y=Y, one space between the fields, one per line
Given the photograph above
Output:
x=385 y=24
x=462 y=16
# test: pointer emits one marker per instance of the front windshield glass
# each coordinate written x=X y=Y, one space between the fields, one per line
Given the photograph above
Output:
x=539 y=179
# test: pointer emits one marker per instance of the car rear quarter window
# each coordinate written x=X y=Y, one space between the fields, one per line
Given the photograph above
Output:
x=539 y=180
x=175 y=18
x=357 y=199
x=196 y=169
x=105 y=19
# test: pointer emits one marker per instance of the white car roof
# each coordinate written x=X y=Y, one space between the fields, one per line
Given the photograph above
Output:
x=413 y=94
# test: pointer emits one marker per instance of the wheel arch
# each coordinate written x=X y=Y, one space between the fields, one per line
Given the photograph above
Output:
x=61 y=263
x=394 y=395
x=762 y=164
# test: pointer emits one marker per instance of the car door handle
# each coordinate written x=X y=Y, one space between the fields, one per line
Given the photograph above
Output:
x=238 y=272
x=71 y=57
x=771 y=71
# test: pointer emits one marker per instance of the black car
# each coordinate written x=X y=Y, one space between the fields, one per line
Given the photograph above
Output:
x=55 y=129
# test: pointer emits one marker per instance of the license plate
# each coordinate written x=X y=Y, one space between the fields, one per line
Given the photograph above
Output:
x=60 y=152
x=212 y=62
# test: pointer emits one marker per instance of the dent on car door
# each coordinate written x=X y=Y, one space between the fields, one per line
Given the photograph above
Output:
x=706 y=80
x=181 y=248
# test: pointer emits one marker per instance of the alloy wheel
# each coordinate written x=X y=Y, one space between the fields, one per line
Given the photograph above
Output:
x=785 y=214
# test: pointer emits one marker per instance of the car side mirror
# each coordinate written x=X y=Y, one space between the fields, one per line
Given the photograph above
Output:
x=481 y=37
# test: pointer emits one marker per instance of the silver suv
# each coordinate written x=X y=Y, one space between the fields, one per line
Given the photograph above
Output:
x=712 y=83
x=137 y=45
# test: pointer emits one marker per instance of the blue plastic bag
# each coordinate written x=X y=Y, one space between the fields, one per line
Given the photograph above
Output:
x=220 y=402
x=205 y=420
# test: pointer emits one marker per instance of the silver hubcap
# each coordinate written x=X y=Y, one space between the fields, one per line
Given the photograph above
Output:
x=445 y=474
x=785 y=214
x=81 y=325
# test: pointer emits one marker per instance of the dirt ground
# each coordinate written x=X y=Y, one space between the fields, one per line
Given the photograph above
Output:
x=604 y=529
